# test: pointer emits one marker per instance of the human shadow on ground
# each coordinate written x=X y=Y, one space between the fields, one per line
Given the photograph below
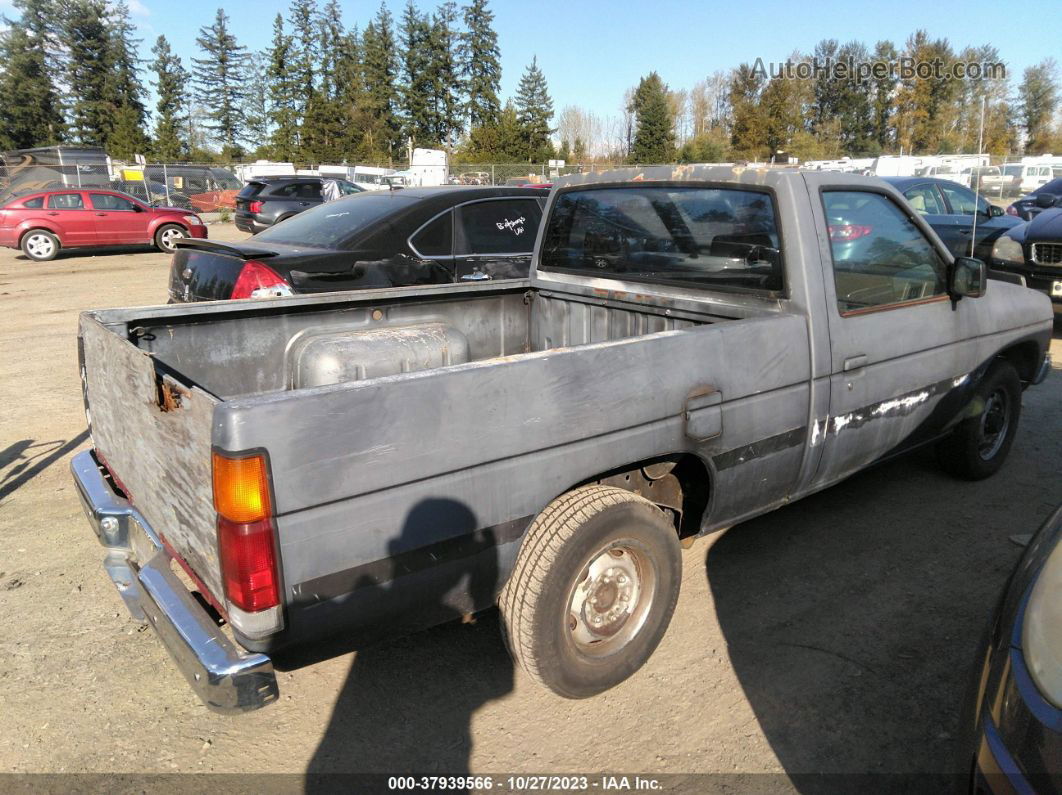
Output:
x=406 y=706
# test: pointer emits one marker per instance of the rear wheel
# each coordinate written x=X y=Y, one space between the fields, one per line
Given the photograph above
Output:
x=593 y=590
x=979 y=445
x=166 y=237
x=40 y=245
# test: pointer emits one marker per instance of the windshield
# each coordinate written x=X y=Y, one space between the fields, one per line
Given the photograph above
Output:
x=1054 y=187
x=333 y=224
x=226 y=180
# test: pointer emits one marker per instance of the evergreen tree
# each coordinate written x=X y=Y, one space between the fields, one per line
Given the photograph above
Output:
x=1038 y=99
x=380 y=104
x=126 y=137
x=882 y=89
x=535 y=112
x=281 y=94
x=416 y=92
x=305 y=40
x=219 y=81
x=480 y=64
x=171 y=86
x=87 y=40
x=654 y=137
x=501 y=140
x=747 y=128
x=128 y=90
x=332 y=41
x=29 y=105
x=256 y=104
x=446 y=112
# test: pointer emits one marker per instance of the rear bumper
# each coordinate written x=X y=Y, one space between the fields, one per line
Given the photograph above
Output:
x=225 y=678
x=247 y=223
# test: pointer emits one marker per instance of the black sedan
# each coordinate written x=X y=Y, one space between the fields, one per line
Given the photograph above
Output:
x=1033 y=251
x=1011 y=733
x=1043 y=198
x=951 y=208
x=369 y=240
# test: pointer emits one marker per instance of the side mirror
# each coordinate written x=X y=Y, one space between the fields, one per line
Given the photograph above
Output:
x=994 y=211
x=137 y=208
x=1045 y=200
x=967 y=278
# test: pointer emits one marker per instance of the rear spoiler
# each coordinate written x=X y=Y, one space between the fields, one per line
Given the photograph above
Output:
x=221 y=248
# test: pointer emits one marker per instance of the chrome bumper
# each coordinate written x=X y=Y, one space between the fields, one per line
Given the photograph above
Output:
x=225 y=678
x=1045 y=368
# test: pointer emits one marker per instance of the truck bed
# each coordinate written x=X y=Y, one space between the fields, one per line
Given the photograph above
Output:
x=168 y=384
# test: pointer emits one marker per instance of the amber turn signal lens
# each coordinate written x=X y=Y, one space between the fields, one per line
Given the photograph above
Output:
x=241 y=488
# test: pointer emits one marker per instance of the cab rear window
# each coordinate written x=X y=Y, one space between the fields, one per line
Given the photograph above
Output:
x=688 y=236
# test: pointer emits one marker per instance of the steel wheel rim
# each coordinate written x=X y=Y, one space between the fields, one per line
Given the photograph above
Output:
x=40 y=246
x=168 y=236
x=995 y=422
x=610 y=600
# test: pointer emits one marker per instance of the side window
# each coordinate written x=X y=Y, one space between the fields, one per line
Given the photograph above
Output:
x=880 y=257
x=498 y=226
x=108 y=201
x=925 y=200
x=309 y=190
x=963 y=201
x=436 y=239
x=65 y=201
x=34 y=204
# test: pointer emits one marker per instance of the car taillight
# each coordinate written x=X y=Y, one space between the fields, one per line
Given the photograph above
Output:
x=257 y=280
x=842 y=233
x=255 y=207
x=245 y=532
x=1012 y=210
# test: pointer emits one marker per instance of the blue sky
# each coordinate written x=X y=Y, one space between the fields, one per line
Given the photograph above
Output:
x=591 y=50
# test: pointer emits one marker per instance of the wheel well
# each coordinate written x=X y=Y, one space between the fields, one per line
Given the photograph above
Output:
x=680 y=484
x=38 y=229
x=1025 y=358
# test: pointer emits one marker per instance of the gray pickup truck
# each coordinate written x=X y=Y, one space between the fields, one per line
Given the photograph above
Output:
x=694 y=347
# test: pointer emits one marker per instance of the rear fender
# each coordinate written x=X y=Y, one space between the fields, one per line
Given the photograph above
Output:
x=39 y=223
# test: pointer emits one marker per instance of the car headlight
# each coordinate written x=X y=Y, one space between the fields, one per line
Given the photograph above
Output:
x=194 y=220
x=1008 y=249
x=1042 y=629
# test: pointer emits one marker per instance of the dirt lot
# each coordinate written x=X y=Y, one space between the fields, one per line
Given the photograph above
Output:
x=833 y=635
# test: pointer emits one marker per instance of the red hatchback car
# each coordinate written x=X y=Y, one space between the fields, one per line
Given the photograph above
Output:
x=42 y=224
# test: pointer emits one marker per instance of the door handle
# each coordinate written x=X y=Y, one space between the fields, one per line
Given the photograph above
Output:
x=53 y=213
x=102 y=214
x=965 y=231
x=855 y=362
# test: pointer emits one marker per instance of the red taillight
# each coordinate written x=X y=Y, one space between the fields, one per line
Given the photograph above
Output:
x=255 y=207
x=1012 y=210
x=248 y=564
x=256 y=276
x=842 y=233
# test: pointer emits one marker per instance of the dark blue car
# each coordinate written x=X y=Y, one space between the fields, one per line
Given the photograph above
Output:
x=1012 y=724
x=950 y=208
x=1033 y=251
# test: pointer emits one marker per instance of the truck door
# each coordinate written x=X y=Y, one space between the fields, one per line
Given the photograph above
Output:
x=901 y=356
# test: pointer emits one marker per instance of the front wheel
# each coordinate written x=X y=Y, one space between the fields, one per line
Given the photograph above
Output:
x=979 y=445
x=593 y=590
x=167 y=236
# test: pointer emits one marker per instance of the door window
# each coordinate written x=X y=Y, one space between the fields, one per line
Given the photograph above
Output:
x=435 y=239
x=925 y=200
x=65 y=201
x=498 y=226
x=880 y=257
x=963 y=201
x=108 y=201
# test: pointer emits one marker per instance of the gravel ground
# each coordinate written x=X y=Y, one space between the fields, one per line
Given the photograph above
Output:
x=833 y=635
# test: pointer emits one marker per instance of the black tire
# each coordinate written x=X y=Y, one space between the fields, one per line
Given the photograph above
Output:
x=40 y=245
x=979 y=445
x=575 y=568
x=164 y=236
